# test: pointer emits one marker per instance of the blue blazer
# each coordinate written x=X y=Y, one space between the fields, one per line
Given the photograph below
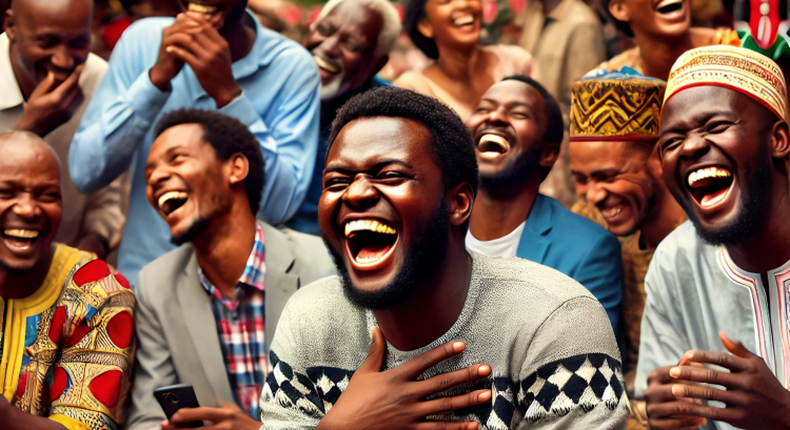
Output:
x=577 y=247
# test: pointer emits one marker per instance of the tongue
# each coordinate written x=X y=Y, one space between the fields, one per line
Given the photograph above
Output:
x=712 y=199
x=373 y=252
x=17 y=242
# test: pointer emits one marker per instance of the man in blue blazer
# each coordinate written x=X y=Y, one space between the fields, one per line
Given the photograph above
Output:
x=517 y=128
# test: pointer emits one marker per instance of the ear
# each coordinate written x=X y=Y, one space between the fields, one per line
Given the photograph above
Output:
x=239 y=168
x=461 y=198
x=780 y=145
x=425 y=28
x=619 y=10
x=549 y=155
x=9 y=25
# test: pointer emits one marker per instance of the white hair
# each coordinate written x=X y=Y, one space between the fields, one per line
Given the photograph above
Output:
x=390 y=30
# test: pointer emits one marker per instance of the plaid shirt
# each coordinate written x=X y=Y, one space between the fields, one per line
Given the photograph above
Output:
x=240 y=324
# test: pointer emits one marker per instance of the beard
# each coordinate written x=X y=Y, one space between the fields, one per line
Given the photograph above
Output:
x=515 y=171
x=327 y=92
x=421 y=261
x=753 y=203
x=196 y=229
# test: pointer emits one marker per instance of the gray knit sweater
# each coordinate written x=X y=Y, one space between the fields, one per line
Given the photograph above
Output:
x=548 y=341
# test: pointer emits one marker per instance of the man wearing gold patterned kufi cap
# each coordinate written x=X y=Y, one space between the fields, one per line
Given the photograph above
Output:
x=614 y=125
x=718 y=289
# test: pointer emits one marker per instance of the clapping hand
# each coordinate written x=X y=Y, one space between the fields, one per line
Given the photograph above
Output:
x=396 y=398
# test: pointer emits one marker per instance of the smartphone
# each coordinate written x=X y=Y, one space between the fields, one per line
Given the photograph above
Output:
x=175 y=397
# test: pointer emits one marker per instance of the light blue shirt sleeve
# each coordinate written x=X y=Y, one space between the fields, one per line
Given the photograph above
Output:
x=120 y=114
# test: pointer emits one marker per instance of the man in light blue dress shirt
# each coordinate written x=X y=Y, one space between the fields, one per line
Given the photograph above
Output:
x=213 y=56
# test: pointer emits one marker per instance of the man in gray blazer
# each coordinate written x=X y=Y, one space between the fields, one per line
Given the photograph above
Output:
x=207 y=311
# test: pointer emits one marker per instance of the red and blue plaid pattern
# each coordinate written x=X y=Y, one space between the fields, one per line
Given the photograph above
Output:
x=240 y=324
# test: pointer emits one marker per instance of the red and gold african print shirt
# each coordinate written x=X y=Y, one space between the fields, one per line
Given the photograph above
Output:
x=66 y=351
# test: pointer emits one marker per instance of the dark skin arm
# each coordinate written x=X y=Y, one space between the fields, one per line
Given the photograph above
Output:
x=16 y=419
x=226 y=417
x=754 y=398
x=395 y=398
x=52 y=103
x=208 y=54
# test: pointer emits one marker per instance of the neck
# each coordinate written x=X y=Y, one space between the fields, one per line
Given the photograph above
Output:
x=435 y=307
x=20 y=284
x=457 y=62
x=666 y=216
x=658 y=54
x=767 y=247
x=223 y=249
x=495 y=215
x=239 y=36
x=25 y=81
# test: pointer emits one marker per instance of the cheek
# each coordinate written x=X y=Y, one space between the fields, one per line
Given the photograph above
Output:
x=54 y=213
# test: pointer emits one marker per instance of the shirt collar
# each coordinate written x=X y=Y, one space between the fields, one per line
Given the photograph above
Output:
x=9 y=87
x=253 y=275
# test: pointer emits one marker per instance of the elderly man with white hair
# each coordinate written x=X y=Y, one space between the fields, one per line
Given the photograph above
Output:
x=350 y=41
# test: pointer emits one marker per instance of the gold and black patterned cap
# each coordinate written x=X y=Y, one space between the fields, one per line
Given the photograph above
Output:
x=618 y=106
x=738 y=69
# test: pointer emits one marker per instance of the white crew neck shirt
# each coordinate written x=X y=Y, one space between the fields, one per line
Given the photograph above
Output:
x=505 y=246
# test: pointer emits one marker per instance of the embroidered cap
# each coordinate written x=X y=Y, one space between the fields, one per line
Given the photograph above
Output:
x=738 y=69
x=618 y=106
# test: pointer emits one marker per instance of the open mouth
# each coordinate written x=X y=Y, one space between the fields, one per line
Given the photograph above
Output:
x=463 y=20
x=369 y=242
x=325 y=65
x=21 y=239
x=208 y=11
x=172 y=201
x=667 y=7
x=710 y=186
x=490 y=142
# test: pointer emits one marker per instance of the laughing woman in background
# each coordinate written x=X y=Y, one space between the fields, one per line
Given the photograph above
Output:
x=448 y=32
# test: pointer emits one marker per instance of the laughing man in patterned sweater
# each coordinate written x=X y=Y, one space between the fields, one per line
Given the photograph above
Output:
x=395 y=214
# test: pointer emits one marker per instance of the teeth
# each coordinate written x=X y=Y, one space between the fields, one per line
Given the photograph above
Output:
x=172 y=195
x=464 y=21
x=488 y=140
x=366 y=260
x=708 y=172
x=324 y=65
x=201 y=8
x=666 y=3
x=612 y=212
x=368 y=225
x=21 y=233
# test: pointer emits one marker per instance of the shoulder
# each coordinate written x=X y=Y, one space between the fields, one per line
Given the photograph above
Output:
x=278 y=49
x=513 y=59
x=96 y=284
x=629 y=58
x=414 y=81
x=162 y=271
x=683 y=241
x=583 y=232
x=526 y=280
x=146 y=28
x=320 y=304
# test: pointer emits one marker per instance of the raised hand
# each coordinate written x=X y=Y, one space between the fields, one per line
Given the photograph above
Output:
x=754 y=398
x=396 y=398
x=208 y=54
x=168 y=64
x=52 y=104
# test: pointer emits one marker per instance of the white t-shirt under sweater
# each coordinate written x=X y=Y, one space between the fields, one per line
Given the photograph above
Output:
x=554 y=359
x=505 y=246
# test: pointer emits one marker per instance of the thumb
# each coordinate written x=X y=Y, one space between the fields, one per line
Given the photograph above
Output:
x=44 y=86
x=736 y=349
x=375 y=356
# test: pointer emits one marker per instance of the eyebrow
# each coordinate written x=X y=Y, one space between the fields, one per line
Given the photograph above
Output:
x=376 y=167
x=169 y=151
x=695 y=122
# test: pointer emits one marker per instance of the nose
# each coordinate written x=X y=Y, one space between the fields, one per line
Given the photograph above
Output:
x=26 y=207
x=694 y=146
x=497 y=116
x=62 y=57
x=157 y=176
x=331 y=46
x=595 y=193
x=360 y=194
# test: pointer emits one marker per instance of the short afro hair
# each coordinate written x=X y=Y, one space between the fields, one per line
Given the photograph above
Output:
x=452 y=146
x=414 y=12
x=623 y=26
x=228 y=136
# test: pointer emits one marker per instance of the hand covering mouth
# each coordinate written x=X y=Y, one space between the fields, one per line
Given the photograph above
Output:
x=369 y=241
x=710 y=186
x=170 y=201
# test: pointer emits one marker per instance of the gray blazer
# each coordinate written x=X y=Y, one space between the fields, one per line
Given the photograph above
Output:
x=175 y=326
